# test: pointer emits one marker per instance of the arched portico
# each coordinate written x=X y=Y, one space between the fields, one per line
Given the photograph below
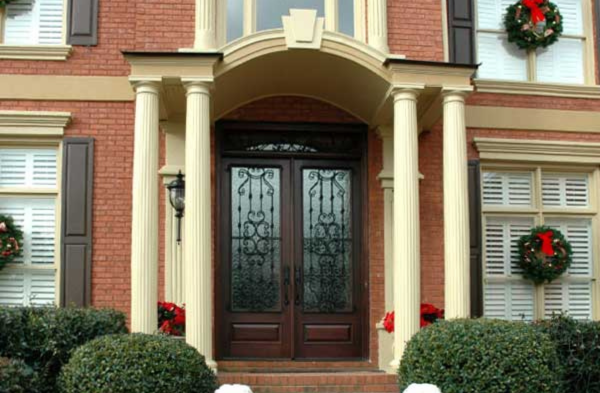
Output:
x=400 y=97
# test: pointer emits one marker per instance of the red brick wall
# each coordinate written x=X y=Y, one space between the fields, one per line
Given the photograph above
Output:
x=300 y=109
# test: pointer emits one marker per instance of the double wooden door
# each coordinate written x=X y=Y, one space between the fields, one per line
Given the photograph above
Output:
x=290 y=280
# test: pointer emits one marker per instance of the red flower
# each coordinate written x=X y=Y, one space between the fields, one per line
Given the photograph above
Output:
x=388 y=322
x=171 y=318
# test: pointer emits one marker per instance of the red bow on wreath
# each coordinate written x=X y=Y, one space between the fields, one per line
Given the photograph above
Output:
x=546 y=239
x=536 y=13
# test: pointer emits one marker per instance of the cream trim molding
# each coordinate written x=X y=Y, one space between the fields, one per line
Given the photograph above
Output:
x=537 y=151
x=35 y=52
x=537 y=88
x=24 y=123
x=65 y=88
x=532 y=119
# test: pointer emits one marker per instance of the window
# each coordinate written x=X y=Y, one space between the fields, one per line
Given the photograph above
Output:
x=29 y=194
x=563 y=62
x=513 y=202
x=34 y=22
x=249 y=16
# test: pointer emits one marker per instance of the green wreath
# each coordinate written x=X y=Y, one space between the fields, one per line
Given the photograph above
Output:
x=11 y=240
x=4 y=3
x=533 y=23
x=545 y=254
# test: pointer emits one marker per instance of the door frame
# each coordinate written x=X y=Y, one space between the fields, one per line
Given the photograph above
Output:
x=358 y=131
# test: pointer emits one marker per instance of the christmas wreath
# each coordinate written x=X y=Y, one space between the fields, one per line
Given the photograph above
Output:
x=533 y=23
x=4 y=3
x=545 y=254
x=11 y=240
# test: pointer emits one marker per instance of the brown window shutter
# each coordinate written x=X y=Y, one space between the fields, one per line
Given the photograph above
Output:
x=83 y=22
x=461 y=31
x=475 y=240
x=76 y=232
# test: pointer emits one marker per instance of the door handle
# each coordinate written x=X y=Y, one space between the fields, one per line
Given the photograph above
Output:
x=298 y=286
x=286 y=284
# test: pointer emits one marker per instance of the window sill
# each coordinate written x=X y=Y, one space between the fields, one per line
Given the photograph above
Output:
x=537 y=88
x=35 y=52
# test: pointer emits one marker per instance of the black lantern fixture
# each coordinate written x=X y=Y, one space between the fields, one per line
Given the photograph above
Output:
x=177 y=198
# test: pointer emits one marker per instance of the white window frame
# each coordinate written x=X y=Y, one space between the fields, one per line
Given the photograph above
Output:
x=38 y=51
x=589 y=54
x=331 y=19
x=538 y=213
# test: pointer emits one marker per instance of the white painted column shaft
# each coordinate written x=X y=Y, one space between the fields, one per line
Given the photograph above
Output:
x=206 y=25
x=377 y=25
x=456 y=208
x=249 y=17
x=407 y=274
x=198 y=234
x=331 y=15
x=144 y=215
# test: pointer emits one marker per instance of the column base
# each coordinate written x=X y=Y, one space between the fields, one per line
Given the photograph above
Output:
x=212 y=364
x=395 y=365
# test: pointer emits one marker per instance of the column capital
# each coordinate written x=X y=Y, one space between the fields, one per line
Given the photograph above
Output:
x=198 y=85
x=456 y=93
x=407 y=91
x=146 y=84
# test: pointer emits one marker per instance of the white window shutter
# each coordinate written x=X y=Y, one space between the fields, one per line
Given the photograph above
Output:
x=507 y=189
x=28 y=168
x=42 y=286
x=579 y=233
x=501 y=250
x=20 y=23
x=50 y=22
x=565 y=190
x=572 y=16
x=37 y=220
x=509 y=300
x=24 y=288
x=31 y=22
x=490 y=13
x=575 y=299
x=12 y=288
x=500 y=59
x=561 y=62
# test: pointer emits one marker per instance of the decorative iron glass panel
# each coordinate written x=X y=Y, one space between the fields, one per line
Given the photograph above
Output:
x=327 y=240
x=255 y=239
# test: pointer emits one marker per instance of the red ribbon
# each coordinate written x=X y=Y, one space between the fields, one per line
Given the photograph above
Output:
x=546 y=239
x=536 y=13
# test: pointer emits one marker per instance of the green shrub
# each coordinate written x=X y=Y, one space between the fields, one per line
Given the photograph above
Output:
x=578 y=346
x=16 y=377
x=475 y=356
x=45 y=337
x=137 y=363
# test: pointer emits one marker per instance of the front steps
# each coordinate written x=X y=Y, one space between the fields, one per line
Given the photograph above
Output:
x=306 y=380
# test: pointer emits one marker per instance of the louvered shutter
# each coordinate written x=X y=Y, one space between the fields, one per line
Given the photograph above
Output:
x=78 y=169
x=573 y=293
x=30 y=22
x=499 y=59
x=83 y=22
x=475 y=239
x=28 y=168
x=507 y=189
x=565 y=191
x=461 y=31
x=563 y=62
x=27 y=287
x=509 y=300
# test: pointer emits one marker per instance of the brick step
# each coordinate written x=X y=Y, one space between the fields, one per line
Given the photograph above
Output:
x=317 y=382
x=266 y=366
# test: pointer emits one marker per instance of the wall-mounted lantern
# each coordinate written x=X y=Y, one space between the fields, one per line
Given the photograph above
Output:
x=177 y=198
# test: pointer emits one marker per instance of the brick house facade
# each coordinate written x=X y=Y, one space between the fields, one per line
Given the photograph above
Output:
x=128 y=93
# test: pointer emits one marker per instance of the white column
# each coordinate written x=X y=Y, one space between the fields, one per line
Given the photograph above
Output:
x=331 y=15
x=407 y=274
x=144 y=214
x=206 y=25
x=456 y=207
x=377 y=25
x=198 y=234
x=249 y=17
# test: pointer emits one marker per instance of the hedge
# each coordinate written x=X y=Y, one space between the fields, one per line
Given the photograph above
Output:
x=44 y=338
x=578 y=346
x=473 y=356
x=137 y=363
x=17 y=377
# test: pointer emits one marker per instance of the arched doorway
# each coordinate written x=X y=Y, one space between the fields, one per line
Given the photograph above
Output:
x=291 y=271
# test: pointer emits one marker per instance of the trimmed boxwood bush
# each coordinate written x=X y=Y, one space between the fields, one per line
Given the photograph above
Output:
x=16 y=377
x=474 y=356
x=578 y=346
x=137 y=363
x=44 y=338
